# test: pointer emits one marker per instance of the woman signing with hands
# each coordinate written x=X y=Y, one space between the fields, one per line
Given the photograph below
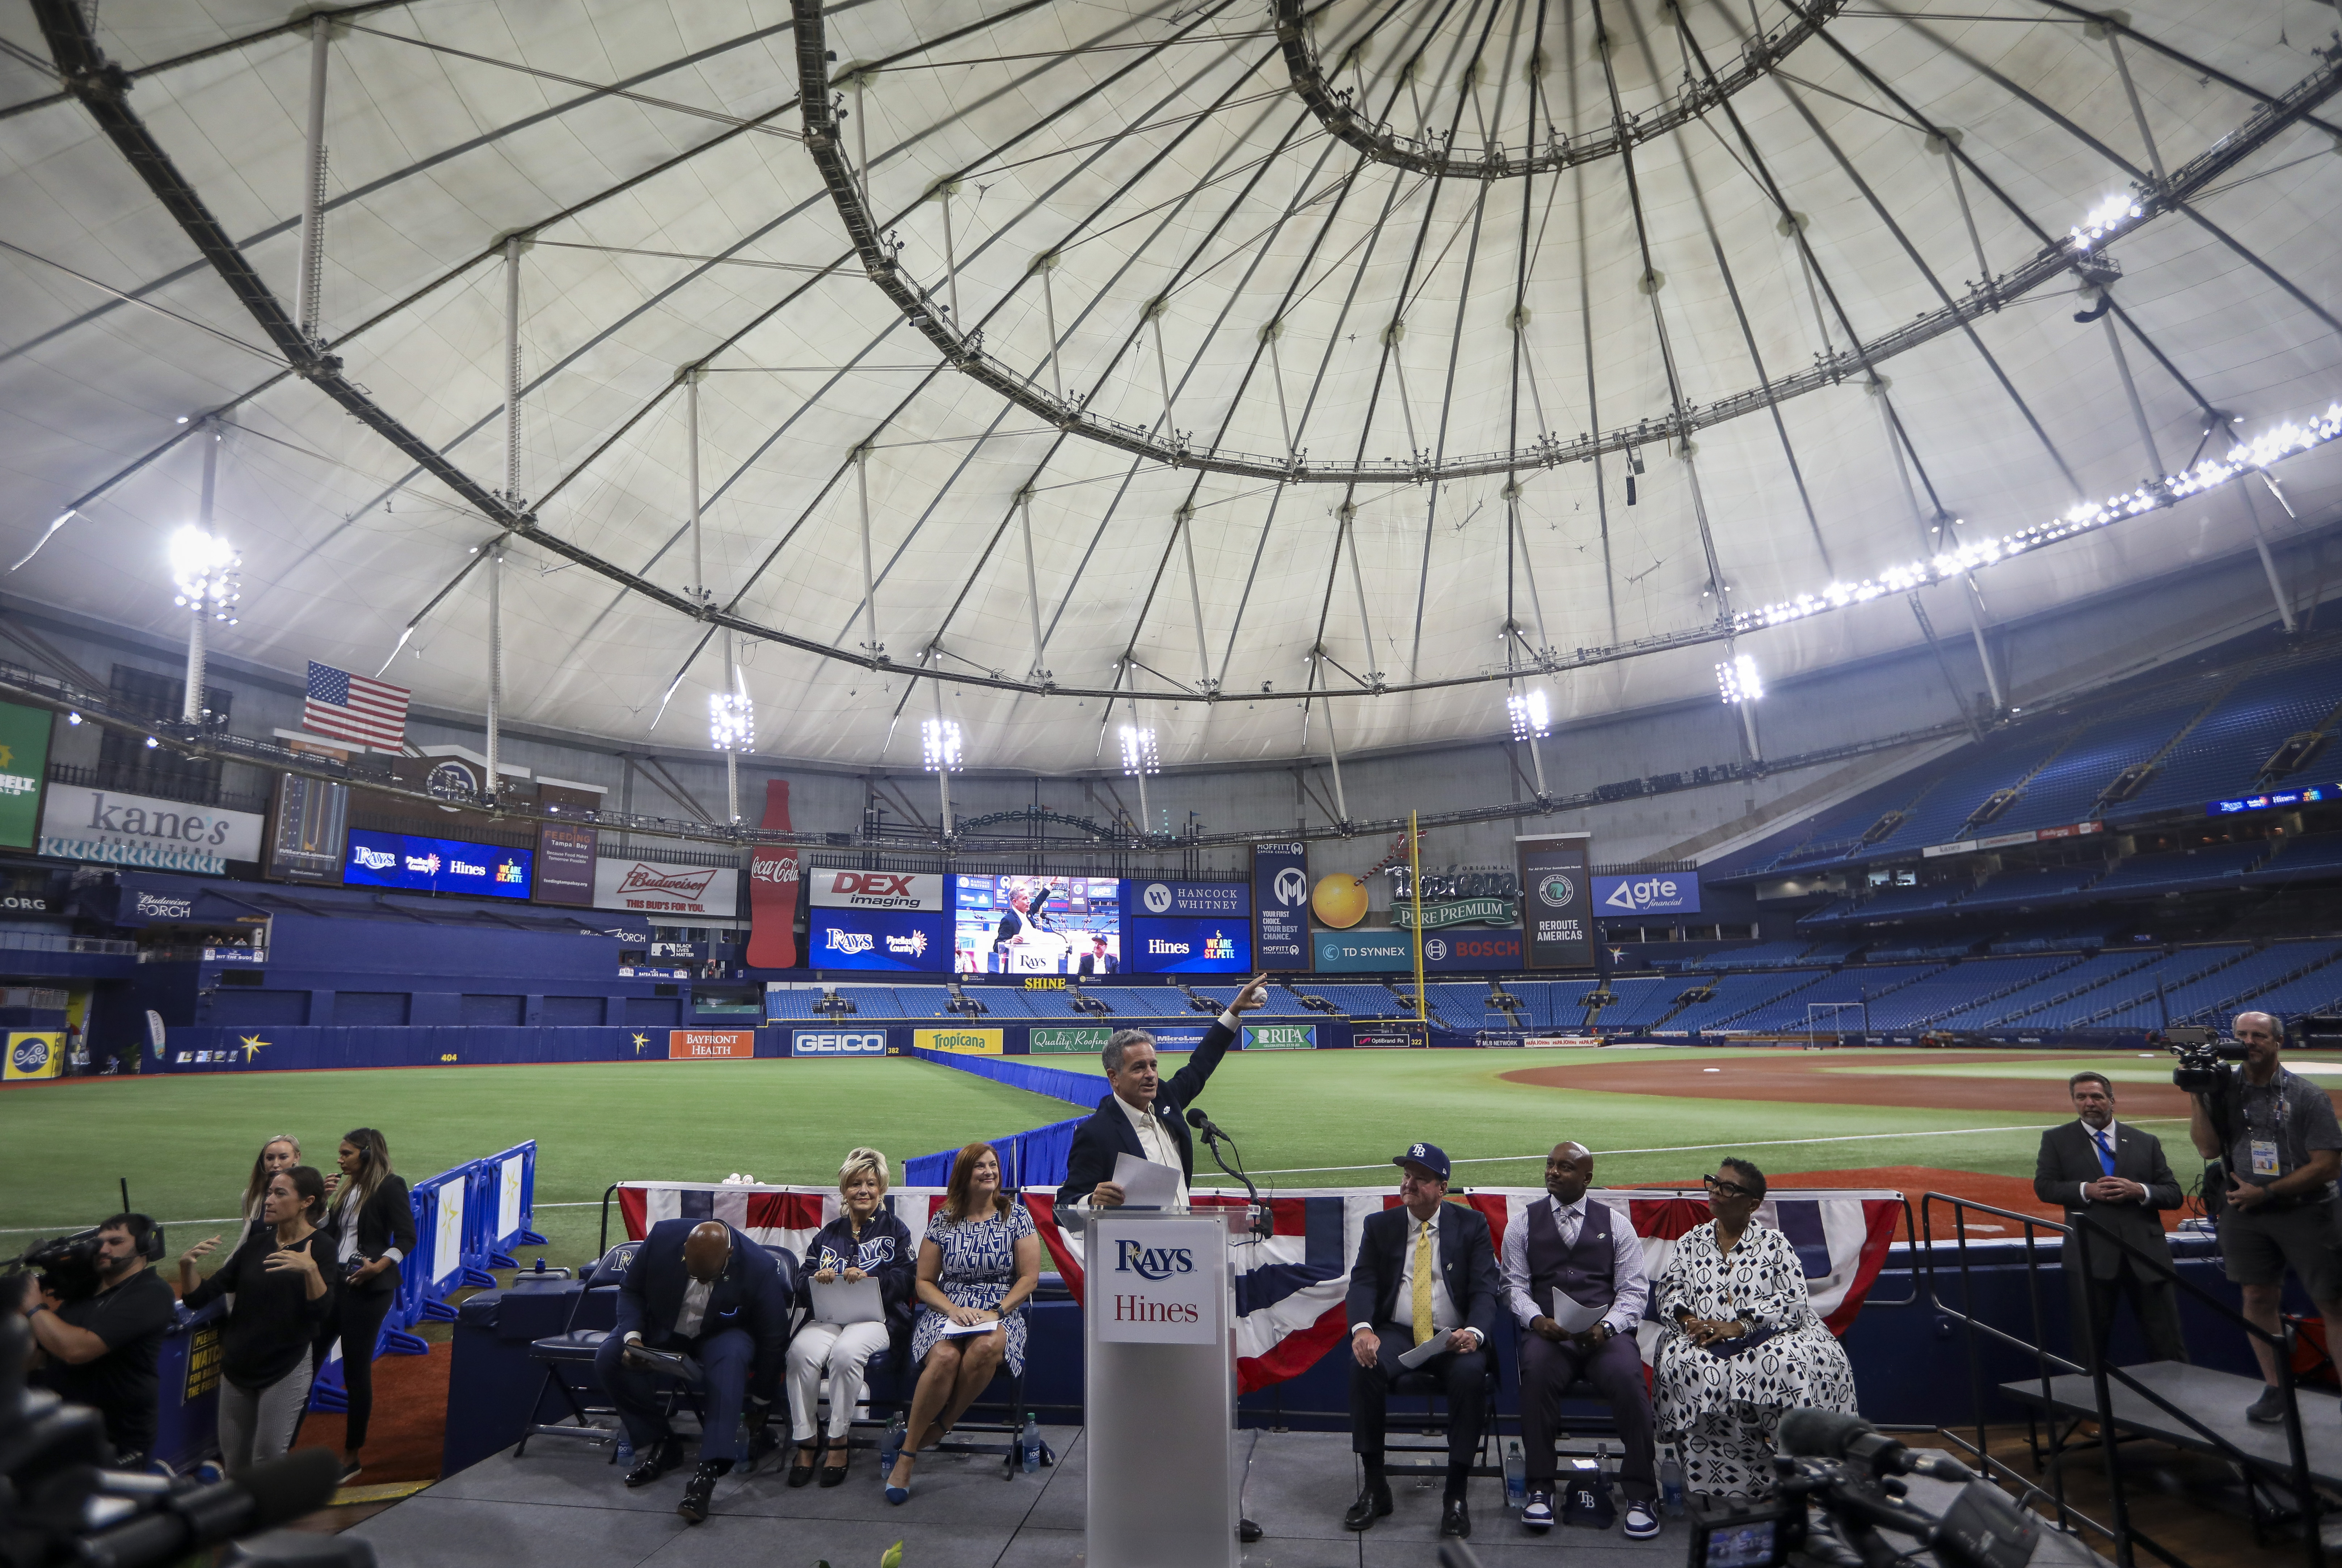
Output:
x=282 y=1281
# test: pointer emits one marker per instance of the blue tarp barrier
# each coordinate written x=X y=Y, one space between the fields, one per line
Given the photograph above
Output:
x=1083 y=1089
x=1029 y=1159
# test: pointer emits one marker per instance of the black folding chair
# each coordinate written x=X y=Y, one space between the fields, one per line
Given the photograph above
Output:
x=1434 y=1421
x=573 y=1348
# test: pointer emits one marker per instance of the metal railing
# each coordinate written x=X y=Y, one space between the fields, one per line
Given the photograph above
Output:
x=161 y=783
x=2121 y=1533
x=45 y=941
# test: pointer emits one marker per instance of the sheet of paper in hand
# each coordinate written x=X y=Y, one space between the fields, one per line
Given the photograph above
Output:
x=1146 y=1185
x=1426 y=1350
x=1572 y=1317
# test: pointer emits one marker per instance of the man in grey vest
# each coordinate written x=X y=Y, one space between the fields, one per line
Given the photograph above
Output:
x=1590 y=1254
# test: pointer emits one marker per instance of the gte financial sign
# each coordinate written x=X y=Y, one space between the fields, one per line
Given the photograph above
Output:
x=918 y=891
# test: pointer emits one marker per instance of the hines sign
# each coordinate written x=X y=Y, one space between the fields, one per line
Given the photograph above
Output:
x=655 y=887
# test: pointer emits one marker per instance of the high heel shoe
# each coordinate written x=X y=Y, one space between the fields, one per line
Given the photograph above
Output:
x=835 y=1474
x=897 y=1496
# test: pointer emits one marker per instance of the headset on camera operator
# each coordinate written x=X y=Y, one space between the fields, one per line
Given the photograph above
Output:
x=98 y=1323
x=2276 y=1148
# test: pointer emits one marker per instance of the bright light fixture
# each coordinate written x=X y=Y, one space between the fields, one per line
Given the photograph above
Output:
x=1737 y=679
x=2103 y=220
x=2262 y=450
x=1532 y=718
x=1139 y=753
x=731 y=722
x=204 y=569
x=939 y=745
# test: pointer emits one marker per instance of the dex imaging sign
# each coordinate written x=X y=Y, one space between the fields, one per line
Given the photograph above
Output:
x=1669 y=892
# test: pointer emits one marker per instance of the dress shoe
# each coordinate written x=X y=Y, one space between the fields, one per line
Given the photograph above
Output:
x=1455 y=1519
x=1373 y=1501
x=801 y=1466
x=835 y=1474
x=657 y=1460
x=1537 y=1514
x=700 y=1490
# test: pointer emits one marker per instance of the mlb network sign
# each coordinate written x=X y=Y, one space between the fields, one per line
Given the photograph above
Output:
x=1163 y=1284
x=838 y=1043
x=1663 y=894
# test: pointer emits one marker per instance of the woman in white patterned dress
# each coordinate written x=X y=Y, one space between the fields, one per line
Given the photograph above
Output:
x=1739 y=1343
x=980 y=1259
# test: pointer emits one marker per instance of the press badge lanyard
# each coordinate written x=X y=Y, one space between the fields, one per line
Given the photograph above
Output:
x=2264 y=1150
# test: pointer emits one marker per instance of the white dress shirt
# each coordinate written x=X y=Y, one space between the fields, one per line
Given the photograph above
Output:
x=1154 y=1140
x=2090 y=1134
x=691 y=1314
x=346 y=1198
x=1443 y=1315
x=1630 y=1287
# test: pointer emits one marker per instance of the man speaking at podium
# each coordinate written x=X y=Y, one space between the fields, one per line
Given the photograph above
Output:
x=1145 y=1116
x=1423 y=1269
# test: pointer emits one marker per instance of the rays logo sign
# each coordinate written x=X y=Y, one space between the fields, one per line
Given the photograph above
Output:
x=1165 y=1283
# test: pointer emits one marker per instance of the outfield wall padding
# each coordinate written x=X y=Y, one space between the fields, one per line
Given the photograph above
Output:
x=1035 y=1158
x=1083 y=1089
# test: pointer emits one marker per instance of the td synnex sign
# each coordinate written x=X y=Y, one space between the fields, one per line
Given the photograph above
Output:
x=838 y=1043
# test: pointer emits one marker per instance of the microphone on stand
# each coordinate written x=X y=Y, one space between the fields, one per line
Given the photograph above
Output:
x=1261 y=1223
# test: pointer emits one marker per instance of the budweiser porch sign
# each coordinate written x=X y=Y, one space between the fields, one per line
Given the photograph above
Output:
x=772 y=889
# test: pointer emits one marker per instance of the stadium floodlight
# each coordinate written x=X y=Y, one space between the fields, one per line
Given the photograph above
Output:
x=1532 y=715
x=1139 y=756
x=2103 y=220
x=204 y=569
x=1738 y=680
x=939 y=751
x=731 y=722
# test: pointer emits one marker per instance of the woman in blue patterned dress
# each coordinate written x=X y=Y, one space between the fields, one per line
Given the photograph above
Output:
x=1739 y=1343
x=980 y=1260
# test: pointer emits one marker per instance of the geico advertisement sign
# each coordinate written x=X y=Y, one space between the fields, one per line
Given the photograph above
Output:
x=876 y=889
x=654 y=887
x=838 y=1043
x=1159 y=1285
x=700 y=1045
x=959 y=1042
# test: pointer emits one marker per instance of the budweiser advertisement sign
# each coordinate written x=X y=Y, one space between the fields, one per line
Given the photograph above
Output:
x=772 y=889
x=654 y=887
x=875 y=889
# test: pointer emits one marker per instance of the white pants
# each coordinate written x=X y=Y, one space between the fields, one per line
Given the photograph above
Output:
x=844 y=1348
x=256 y=1424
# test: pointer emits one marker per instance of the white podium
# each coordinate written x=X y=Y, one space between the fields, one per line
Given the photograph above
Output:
x=1160 y=1410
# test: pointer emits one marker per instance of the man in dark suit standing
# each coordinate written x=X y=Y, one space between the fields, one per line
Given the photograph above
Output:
x=2116 y=1177
x=1424 y=1269
x=704 y=1290
x=1145 y=1115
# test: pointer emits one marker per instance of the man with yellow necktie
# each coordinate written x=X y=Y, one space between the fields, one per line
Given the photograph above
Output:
x=1426 y=1270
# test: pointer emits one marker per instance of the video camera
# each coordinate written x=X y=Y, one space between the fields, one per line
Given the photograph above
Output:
x=2204 y=1058
x=67 y=1265
x=1851 y=1472
x=58 y=1504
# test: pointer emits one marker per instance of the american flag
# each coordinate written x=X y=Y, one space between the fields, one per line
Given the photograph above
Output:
x=1289 y=1288
x=354 y=708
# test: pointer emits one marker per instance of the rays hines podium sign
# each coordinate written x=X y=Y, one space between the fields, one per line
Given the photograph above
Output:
x=1556 y=900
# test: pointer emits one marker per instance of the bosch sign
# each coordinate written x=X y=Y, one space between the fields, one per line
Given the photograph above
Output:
x=920 y=891
x=838 y=1043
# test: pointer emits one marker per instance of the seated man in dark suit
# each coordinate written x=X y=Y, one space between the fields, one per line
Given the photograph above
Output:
x=2115 y=1175
x=704 y=1290
x=1098 y=960
x=1423 y=1269
x=1145 y=1116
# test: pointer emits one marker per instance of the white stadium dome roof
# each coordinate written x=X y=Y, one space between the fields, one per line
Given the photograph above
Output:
x=1437 y=290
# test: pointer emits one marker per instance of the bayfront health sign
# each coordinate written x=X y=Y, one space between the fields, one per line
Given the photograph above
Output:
x=106 y=825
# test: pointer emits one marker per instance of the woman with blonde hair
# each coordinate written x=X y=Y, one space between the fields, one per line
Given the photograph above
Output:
x=278 y=1152
x=864 y=1241
x=979 y=1260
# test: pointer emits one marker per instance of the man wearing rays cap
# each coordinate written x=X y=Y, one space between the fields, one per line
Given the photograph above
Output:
x=1426 y=1271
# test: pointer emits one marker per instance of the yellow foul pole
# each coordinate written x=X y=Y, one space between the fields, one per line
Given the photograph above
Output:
x=1414 y=883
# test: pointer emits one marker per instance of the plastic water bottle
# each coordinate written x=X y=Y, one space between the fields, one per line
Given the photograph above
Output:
x=625 y=1449
x=1671 y=1487
x=1028 y=1443
x=890 y=1447
x=1516 y=1477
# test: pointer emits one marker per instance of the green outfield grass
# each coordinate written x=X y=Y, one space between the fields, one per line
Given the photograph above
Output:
x=186 y=1142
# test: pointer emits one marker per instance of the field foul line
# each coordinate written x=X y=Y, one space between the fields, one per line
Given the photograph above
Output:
x=1696 y=1148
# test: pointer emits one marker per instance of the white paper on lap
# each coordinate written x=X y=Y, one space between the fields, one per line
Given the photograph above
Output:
x=965 y=1329
x=1572 y=1317
x=1426 y=1350
x=1146 y=1185
x=848 y=1301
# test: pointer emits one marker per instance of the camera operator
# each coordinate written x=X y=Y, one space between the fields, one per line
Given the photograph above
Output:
x=99 y=1349
x=2276 y=1131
